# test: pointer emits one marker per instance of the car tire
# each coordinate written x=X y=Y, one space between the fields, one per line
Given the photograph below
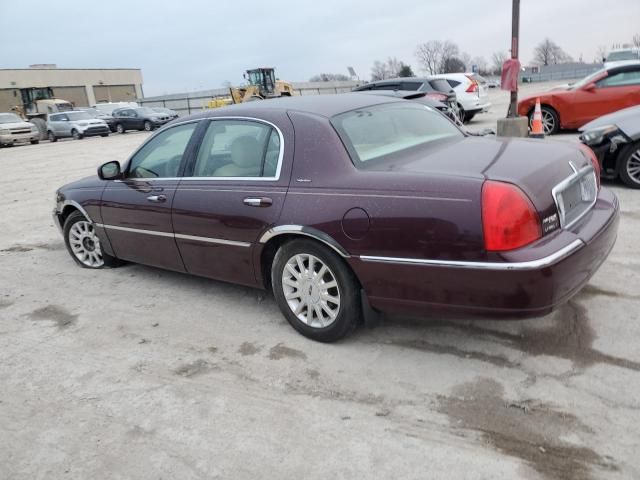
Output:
x=120 y=128
x=76 y=134
x=148 y=127
x=630 y=165
x=52 y=138
x=336 y=309
x=550 y=120
x=104 y=134
x=41 y=125
x=468 y=116
x=83 y=245
x=461 y=114
x=35 y=142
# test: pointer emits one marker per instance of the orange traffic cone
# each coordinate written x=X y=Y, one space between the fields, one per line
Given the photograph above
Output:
x=537 y=130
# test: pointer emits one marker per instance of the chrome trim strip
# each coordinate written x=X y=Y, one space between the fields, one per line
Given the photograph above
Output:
x=574 y=177
x=377 y=195
x=180 y=236
x=306 y=231
x=219 y=241
x=506 y=266
x=59 y=208
x=135 y=230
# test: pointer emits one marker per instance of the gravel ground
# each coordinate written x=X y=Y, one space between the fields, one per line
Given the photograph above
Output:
x=140 y=373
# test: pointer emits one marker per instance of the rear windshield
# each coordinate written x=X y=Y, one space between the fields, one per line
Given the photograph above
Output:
x=79 y=116
x=381 y=131
x=440 y=84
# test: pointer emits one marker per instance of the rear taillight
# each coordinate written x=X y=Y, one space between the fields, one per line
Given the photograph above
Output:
x=594 y=161
x=473 y=87
x=509 y=219
x=441 y=97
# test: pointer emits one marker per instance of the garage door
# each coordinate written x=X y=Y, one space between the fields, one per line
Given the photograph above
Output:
x=114 y=93
x=76 y=95
x=9 y=98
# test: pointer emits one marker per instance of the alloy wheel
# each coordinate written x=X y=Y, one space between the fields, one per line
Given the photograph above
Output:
x=311 y=290
x=85 y=244
x=548 y=122
x=633 y=166
x=147 y=126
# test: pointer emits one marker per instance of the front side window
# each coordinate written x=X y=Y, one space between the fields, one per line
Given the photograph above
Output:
x=160 y=157
x=381 y=131
x=238 y=149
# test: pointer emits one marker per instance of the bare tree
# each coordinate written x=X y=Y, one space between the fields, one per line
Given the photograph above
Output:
x=389 y=69
x=497 y=60
x=549 y=53
x=329 y=77
x=453 y=65
x=449 y=50
x=429 y=56
x=481 y=64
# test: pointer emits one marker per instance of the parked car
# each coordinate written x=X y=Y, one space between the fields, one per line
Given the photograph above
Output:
x=109 y=107
x=141 y=118
x=602 y=92
x=420 y=97
x=76 y=124
x=471 y=93
x=615 y=139
x=172 y=114
x=615 y=57
x=14 y=130
x=347 y=205
x=95 y=113
x=434 y=88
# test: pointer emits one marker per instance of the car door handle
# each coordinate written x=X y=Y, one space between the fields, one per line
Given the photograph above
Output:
x=258 y=201
x=157 y=198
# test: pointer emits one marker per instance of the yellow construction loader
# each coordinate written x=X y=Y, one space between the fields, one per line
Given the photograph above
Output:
x=261 y=85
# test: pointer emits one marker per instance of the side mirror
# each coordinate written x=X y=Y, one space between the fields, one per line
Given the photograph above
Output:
x=110 y=171
x=590 y=87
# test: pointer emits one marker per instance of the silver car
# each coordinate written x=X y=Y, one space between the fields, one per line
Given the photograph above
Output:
x=76 y=124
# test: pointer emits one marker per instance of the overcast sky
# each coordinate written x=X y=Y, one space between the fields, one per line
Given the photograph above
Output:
x=197 y=44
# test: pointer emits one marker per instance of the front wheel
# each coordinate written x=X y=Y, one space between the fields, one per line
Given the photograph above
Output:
x=630 y=165
x=316 y=291
x=147 y=126
x=550 y=120
x=76 y=135
x=83 y=244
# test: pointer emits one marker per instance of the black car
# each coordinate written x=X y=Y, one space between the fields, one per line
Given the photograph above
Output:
x=615 y=139
x=420 y=97
x=140 y=118
x=166 y=111
x=100 y=115
x=435 y=88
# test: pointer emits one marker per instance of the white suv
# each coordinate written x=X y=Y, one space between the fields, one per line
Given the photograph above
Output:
x=471 y=91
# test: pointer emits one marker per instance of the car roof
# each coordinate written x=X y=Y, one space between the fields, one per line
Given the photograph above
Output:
x=323 y=105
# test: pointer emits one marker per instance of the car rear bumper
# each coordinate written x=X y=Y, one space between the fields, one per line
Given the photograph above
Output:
x=530 y=281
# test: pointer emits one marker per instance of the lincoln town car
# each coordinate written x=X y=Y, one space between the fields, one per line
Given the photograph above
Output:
x=350 y=206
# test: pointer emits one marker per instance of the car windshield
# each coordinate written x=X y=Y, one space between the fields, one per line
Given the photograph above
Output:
x=146 y=111
x=622 y=55
x=9 y=118
x=376 y=132
x=79 y=116
x=589 y=79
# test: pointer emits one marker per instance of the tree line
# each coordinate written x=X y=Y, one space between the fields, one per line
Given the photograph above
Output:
x=435 y=57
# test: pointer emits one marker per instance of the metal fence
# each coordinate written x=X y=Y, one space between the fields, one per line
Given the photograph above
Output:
x=568 y=74
x=188 y=103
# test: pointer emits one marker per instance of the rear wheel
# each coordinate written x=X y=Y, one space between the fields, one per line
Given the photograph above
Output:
x=461 y=113
x=147 y=126
x=120 y=128
x=630 y=165
x=83 y=244
x=52 y=137
x=104 y=134
x=35 y=142
x=316 y=291
x=469 y=116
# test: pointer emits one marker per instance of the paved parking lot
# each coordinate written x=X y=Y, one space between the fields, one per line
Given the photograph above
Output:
x=140 y=373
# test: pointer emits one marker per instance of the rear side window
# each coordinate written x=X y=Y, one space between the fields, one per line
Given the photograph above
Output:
x=411 y=86
x=387 y=86
x=380 y=131
x=54 y=118
x=239 y=149
x=621 y=79
x=442 y=85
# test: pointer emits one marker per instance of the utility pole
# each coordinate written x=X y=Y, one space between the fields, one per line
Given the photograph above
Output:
x=515 y=42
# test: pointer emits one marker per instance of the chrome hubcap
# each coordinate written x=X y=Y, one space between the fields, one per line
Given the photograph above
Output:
x=311 y=290
x=85 y=244
x=548 y=122
x=633 y=166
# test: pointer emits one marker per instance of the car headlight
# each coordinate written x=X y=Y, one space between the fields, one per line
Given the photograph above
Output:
x=596 y=135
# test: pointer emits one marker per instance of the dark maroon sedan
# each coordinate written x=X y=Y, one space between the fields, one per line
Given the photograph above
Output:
x=347 y=205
